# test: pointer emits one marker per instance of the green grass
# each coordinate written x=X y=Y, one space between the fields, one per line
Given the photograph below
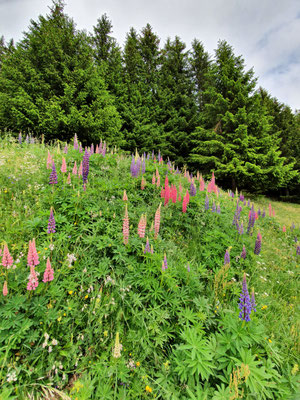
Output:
x=180 y=330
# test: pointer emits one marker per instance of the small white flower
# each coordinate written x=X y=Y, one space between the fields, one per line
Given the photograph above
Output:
x=50 y=349
x=46 y=336
x=51 y=246
x=54 y=342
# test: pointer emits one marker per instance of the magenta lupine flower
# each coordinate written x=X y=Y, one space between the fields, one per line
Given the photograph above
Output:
x=80 y=149
x=227 y=257
x=66 y=149
x=257 y=247
x=104 y=149
x=53 y=175
x=7 y=260
x=63 y=166
x=206 y=203
x=32 y=257
x=243 y=253
x=51 y=222
x=164 y=263
x=193 y=190
x=245 y=303
x=253 y=304
x=49 y=272
x=147 y=247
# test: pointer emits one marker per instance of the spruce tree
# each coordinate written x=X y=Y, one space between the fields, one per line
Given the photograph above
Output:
x=50 y=85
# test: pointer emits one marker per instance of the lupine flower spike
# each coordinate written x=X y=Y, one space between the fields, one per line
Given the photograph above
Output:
x=63 y=166
x=117 y=348
x=227 y=257
x=243 y=253
x=74 y=170
x=164 y=263
x=49 y=160
x=5 y=290
x=7 y=260
x=80 y=169
x=49 y=272
x=126 y=227
x=53 y=175
x=125 y=198
x=69 y=179
x=147 y=247
x=257 y=248
x=51 y=222
x=245 y=303
x=157 y=222
x=142 y=226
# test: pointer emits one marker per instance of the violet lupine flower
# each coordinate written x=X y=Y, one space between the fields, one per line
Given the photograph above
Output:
x=243 y=253
x=27 y=139
x=257 y=247
x=206 y=203
x=213 y=209
x=193 y=189
x=259 y=212
x=75 y=142
x=20 y=138
x=298 y=251
x=293 y=227
x=66 y=149
x=147 y=247
x=143 y=166
x=241 y=229
x=296 y=239
x=242 y=197
x=218 y=209
x=85 y=166
x=253 y=304
x=51 y=223
x=226 y=257
x=245 y=303
x=80 y=149
x=164 y=263
x=248 y=204
x=188 y=267
x=251 y=221
x=53 y=175
x=263 y=214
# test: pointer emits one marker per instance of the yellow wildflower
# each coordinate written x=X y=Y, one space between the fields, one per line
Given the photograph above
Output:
x=70 y=291
x=270 y=341
x=138 y=364
x=148 y=389
x=264 y=307
x=105 y=333
x=86 y=296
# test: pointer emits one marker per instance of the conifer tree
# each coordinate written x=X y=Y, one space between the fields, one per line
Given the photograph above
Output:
x=50 y=85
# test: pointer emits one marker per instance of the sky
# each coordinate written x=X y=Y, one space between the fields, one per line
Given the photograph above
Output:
x=265 y=32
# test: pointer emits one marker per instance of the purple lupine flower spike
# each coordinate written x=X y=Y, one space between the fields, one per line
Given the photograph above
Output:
x=206 y=203
x=20 y=138
x=241 y=229
x=227 y=257
x=253 y=304
x=218 y=209
x=193 y=190
x=188 y=267
x=85 y=167
x=147 y=247
x=264 y=213
x=213 y=209
x=257 y=247
x=245 y=303
x=27 y=139
x=243 y=253
x=165 y=263
x=51 y=223
x=143 y=166
x=53 y=175
x=66 y=149
x=298 y=251
x=295 y=239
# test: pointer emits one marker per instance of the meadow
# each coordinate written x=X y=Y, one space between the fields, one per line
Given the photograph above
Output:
x=125 y=278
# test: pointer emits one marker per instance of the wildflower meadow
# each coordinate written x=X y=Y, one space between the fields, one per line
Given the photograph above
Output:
x=123 y=277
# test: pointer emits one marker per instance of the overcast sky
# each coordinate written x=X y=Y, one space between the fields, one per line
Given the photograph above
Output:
x=265 y=32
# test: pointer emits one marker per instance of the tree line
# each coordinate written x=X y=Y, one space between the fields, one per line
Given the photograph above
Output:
x=201 y=111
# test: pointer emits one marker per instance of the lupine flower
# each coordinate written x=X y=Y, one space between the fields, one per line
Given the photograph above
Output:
x=49 y=160
x=153 y=179
x=298 y=251
x=75 y=142
x=257 y=247
x=213 y=209
x=143 y=183
x=125 y=198
x=51 y=222
x=92 y=148
x=20 y=138
x=174 y=194
x=53 y=175
x=69 y=179
x=292 y=226
x=80 y=149
x=143 y=166
x=147 y=247
x=193 y=189
x=33 y=279
x=242 y=197
x=243 y=253
x=296 y=239
x=188 y=267
x=263 y=214
x=117 y=348
x=162 y=193
x=104 y=149
x=126 y=227
x=253 y=304
x=7 y=260
x=85 y=166
x=166 y=181
x=158 y=181
x=74 y=170
x=259 y=212
x=218 y=209
x=32 y=257
x=5 y=290
x=227 y=257
x=251 y=221
x=80 y=169
x=245 y=303
x=142 y=226
x=49 y=272
x=202 y=185
x=27 y=139
x=248 y=204
x=165 y=263
x=206 y=203
x=283 y=228
x=184 y=205
x=63 y=166
x=270 y=210
x=167 y=195
x=157 y=222
x=241 y=229
x=66 y=149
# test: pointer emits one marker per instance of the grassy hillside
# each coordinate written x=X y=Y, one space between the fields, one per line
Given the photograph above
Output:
x=118 y=322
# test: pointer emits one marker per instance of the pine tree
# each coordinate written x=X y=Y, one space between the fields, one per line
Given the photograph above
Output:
x=50 y=85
